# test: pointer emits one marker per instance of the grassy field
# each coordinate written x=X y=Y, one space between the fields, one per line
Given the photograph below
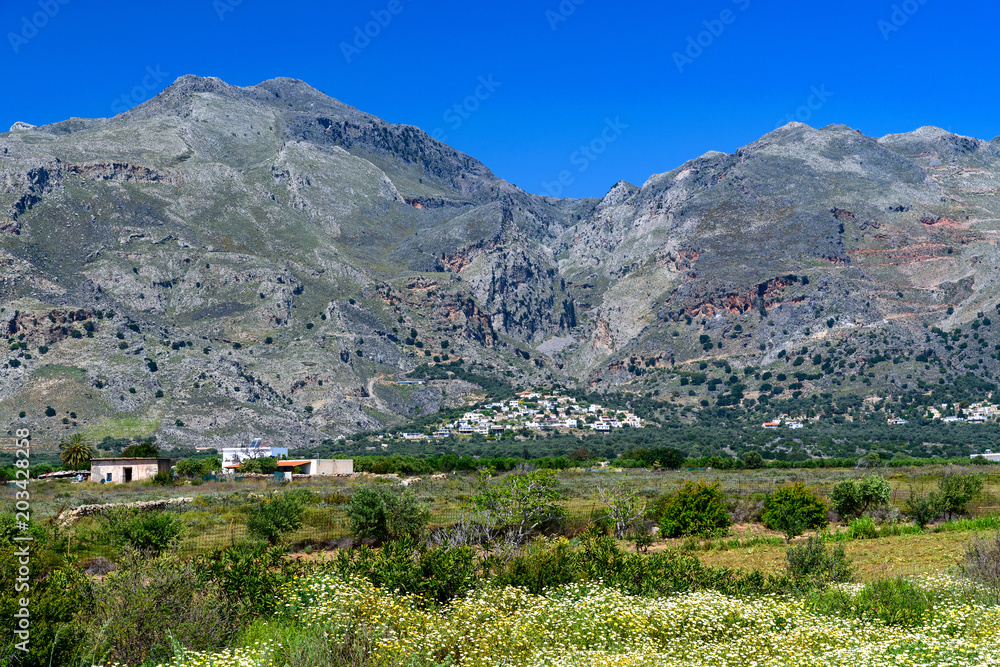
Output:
x=562 y=599
x=217 y=514
x=901 y=555
x=123 y=427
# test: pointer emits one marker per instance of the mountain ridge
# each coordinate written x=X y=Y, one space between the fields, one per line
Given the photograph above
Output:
x=233 y=215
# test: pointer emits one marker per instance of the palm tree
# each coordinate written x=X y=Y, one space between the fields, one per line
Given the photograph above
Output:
x=75 y=452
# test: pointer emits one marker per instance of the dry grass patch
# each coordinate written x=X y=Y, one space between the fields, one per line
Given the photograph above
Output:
x=872 y=559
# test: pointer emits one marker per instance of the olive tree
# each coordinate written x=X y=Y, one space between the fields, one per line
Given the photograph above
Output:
x=516 y=505
x=853 y=497
x=624 y=507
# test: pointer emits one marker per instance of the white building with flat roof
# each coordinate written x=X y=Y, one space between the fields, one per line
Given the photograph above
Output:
x=232 y=457
x=312 y=467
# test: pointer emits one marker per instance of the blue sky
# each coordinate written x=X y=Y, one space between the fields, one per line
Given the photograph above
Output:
x=596 y=91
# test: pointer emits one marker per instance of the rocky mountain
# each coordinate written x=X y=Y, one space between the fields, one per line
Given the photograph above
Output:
x=221 y=262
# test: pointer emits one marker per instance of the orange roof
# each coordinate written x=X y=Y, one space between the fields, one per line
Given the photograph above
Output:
x=286 y=464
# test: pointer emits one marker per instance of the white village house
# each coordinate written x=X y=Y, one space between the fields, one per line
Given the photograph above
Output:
x=130 y=469
x=232 y=457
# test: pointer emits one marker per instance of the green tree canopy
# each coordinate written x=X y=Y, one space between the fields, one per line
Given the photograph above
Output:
x=75 y=452
x=140 y=450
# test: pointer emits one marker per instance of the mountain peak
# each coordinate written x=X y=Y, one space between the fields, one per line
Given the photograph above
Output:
x=273 y=213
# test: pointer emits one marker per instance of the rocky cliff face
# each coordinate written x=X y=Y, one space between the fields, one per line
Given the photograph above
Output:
x=221 y=261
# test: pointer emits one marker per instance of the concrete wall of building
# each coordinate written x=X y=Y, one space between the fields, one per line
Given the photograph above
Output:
x=328 y=467
x=142 y=469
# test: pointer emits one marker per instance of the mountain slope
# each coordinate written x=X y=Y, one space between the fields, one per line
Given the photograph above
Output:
x=222 y=261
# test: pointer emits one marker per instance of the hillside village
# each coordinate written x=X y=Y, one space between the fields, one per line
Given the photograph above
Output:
x=532 y=411
x=974 y=413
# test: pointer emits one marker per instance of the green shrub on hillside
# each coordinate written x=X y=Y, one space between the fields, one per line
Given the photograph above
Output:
x=382 y=513
x=793 y=509
x=889 y=601
x=982 y=560
x=812 y=561
x=247 y=576
x=147 y=606
x=863 y=528
x=922 y=509
x=149 y=532
x=265 y=466
x=752 y=460
x=853 y=497
x=55 y=599
x=955 y=492
x=435 y=574
x=694 y=509
x=271 y=517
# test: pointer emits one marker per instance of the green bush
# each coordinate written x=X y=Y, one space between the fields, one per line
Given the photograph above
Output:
x=545 y=564
x=188 y=468
x=863 y=529
x=853 y=497
x=922 y=509
x=163 y=478
x=247 y=576
x=271 y=517
x=894 y=602
x=264 y=466
x=140 y=611
x=982 y=560
x=293 y=644
x=952 y=497
x=752 y=460
x=149 y=532
x=812 y=561
x=141 y=450
x=955 y=492
x=890 y=601
x=695 y=509
x=9 y=530
x=793 y=509
x=540 y=565
x=382 y=513
x=435 y=574
x=56 y=599
x=197 y=467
